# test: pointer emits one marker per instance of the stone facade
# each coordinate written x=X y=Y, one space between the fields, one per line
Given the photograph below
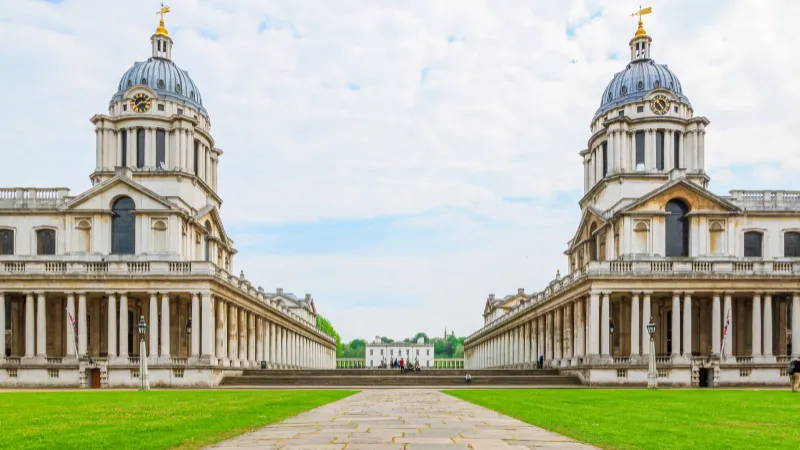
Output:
x=378 y=353
x=718 y=275
x=145 y=241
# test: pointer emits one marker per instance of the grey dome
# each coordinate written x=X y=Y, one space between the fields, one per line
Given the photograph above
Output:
x=164 y=77
x=633 y=83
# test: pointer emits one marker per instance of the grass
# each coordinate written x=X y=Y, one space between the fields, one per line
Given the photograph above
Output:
x=627 y=419
x=145 y=420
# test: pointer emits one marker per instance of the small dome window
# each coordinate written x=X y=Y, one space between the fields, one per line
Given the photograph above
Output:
x=130 y=84
x=672 y=85
x=178 y=88
x=161 y=84
x=144 y=80
x=191 y=94
x=640 y=85
x=624 y=90
x=657 y=84
x=610 y=96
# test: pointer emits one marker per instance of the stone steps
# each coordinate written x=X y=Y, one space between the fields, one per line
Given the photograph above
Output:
x=358 y=378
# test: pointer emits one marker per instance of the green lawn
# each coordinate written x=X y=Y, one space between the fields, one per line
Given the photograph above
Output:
x=144 y=420
x=627 y=419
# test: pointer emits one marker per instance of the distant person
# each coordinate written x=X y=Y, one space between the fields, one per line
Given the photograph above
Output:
x=794 y=374
x=402 y=365
x=540 y=364
x=416 y=366
x=468 y=379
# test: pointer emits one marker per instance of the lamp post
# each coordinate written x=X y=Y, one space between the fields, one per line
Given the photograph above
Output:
x=652 y=374
x=143 y=355
x=611 y=337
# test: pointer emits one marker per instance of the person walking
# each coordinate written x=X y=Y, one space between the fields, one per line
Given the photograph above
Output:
x=402 y=365
x=794 y=374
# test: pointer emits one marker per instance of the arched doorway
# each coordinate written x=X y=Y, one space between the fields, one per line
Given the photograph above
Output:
x=677 y=233
x=123 y=227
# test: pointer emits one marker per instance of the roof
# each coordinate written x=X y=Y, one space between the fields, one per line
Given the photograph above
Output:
x=164 y=77
x=637 y=79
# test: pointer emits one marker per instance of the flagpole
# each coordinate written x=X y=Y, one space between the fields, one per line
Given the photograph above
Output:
x=74 y=334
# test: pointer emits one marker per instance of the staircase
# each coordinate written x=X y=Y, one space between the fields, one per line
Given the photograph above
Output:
x=258 y=378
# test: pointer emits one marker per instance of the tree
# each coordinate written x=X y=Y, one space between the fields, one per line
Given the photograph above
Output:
x=325 y=326
x=386 y=340
x=459 y=352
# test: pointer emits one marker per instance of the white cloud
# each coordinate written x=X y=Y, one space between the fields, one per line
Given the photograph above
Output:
x=325 y=115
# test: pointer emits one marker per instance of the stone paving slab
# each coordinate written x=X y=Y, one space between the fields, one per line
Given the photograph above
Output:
x=407 y=419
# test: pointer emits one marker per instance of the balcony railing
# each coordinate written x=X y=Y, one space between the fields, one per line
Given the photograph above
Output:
x=766 y=200
x=647 y=269
x=32 y=198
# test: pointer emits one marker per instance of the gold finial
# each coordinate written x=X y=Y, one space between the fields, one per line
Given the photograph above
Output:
x=640 y=13
x=161 y=29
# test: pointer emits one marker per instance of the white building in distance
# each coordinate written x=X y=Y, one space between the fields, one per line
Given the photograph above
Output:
x=719 y=275
x=380 y=354
x=146 y=241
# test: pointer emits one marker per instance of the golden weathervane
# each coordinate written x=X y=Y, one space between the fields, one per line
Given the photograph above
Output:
x=640 y=13
x=161 y=29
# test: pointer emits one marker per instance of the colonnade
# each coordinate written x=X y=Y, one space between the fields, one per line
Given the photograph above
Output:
x=217 y=332
x=608 y=327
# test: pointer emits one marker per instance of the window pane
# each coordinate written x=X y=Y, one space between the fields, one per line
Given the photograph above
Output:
x=124 y=156
x=752 y=244
x=161 y=150
x=676 y=150
x=123 y=227
x=140 y=147
x=45 y=242
x=660 y=149
x=196 y=156
x=605 y=158
x=639 y=147
x=6 y=242
x=791 y=244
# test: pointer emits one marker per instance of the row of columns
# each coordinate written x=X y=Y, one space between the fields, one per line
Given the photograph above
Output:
x=581 y=328
x=229 y=334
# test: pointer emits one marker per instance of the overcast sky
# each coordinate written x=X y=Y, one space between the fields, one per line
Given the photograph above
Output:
x=400 y=160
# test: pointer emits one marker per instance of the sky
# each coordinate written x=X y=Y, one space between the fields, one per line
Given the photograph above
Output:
x=400 y=160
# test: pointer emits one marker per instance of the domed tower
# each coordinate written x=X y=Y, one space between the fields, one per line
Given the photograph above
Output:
x=157 y=131
x=644 y=134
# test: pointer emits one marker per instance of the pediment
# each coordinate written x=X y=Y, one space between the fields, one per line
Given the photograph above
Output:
x=211 y=214
x=101 y=197
x=695 y=197
x=591 y=216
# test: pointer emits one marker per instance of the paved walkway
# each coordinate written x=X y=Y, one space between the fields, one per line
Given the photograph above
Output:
x=400 y=419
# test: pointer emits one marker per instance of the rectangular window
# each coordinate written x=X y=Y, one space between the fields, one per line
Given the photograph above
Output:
x=140 y=147
x=605 y=158
x=161 y=154
x=752 y=244
x=124 y=107
x=621 y=113
x=180 y=111
x=660 y=149
x=6 y=242
x=639 y=148
x=676 y=109
x=196 y=157
x=45 y=242
x=370 y=352
x=124 y=153
x=160 y=106
x=676 y=149
x=640 y=109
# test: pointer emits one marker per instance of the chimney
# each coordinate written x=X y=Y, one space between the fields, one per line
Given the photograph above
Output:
x=279 y=291
x=491 y=296
x=308 y=297
x=520 y=291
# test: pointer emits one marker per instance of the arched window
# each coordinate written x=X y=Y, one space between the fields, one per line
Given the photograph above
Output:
x=791 y=244
x=123 y=227
x=46 y=242
x=207 y=243
x=677 y=236
x=160 y=237
x=752 y=244
x=6 y=242
x=592 y=243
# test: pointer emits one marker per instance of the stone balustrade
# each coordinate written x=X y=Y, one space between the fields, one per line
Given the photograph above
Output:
x=32 y=198
x=689 y=268
x=765 y=200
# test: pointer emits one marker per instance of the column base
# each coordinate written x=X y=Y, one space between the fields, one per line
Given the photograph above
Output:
x=207 y=360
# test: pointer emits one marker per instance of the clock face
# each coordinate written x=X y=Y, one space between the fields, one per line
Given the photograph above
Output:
x=140 y=103
x=659 y=104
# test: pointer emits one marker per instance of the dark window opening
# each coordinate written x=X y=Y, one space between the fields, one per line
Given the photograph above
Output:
x=123 y=227
x=160 y=107
x=676 y=149
x=752 y=244
x=196 y=158
x=207 y=242
x=593 y=243
x=6 y=242
x=639 y=147
x=676 y=109
x=180 y=111
x=677 y=225
x=791 y=244
x=124 y=153
x=124 y=107
x=605 y=158
x=660 y=149
x=640 y=109
x=45 y=242
x=621 y=113
x=161 y=154
x=140 y=147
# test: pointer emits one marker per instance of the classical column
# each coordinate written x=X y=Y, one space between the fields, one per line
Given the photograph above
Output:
x=123 y=326
x=220 y=335
x=207 y=344
x=30 y=339
x=757 y=326
x=153 y=326
x=82 y=328
x=165 y=326
x=687 y=326
x=604 y=323
x=111 y=331
x=594 y=323
x=558 y=334
x=251 y=338
x=548 y=338
x=71 y=343
x=273 y=345
x=715 y=324
x=282 y=332
x=243 y=337
x=580 y=330
x=634 y=325
x=41 y=326
x=195 y=328
x=796 y=324
x=259 y=341
x=232 y=325
x=768 y=327
x=676 y=325
x=728 y=352
x=569 y=341
x=646 y=316
x=3 y=325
